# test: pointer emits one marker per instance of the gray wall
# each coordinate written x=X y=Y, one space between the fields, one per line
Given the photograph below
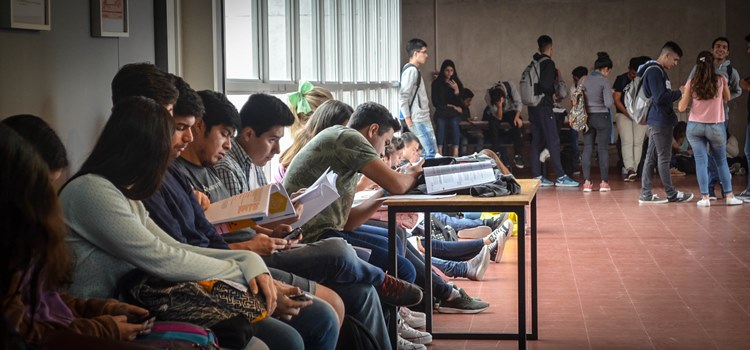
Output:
x=64 y=75
x=493 y=40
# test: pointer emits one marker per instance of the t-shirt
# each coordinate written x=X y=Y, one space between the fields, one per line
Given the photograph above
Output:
x=204 y=179
x=708 y=111
x=619 y=86
x=345 y=151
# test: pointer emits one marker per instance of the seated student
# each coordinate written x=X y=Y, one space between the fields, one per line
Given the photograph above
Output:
x=349 y=151
x=473 y=136
x=346 y=274
x=682 y=161
x=504 y=106
x=33 y=255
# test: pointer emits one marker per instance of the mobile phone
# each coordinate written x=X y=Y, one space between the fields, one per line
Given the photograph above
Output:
x=294 y=234
x=302 y=297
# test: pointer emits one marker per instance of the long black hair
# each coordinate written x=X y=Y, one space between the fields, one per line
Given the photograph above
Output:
x=133 y=150
x=446 y=64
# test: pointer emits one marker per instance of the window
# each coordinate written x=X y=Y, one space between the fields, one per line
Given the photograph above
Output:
x=308 y=45
x=241 y=39
x=279 y=67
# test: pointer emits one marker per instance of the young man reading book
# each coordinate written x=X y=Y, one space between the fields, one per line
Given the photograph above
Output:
x=331 y=262
x=349 y=151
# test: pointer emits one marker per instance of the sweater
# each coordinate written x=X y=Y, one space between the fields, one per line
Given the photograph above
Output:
x=656 y=86
x=111 y=235
x=419 y=110
x=598 y=94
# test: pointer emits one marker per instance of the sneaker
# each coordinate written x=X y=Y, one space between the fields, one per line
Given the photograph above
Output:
x=676 y=172
x=704 y=203
x=652 y=199
x=681 y=197
x=631 y=176
x=544 y=155
x=412 y=335
x=478 y=265
x=475 y=232
x=414 y=319
x=734 y=201
x=463 y=304
x=519 y=161
x=403 y=344
x=744 y=196
x=588 y=186
x=565 y=181
x=545 y=182
x=604 y=187
x=397 y=292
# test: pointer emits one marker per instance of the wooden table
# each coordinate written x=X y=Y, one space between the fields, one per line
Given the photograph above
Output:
x=465 y=203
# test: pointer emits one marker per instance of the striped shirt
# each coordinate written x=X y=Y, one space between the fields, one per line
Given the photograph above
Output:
x=238 y=173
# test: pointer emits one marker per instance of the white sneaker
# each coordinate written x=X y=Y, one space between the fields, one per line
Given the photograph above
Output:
x=544 y=155
x=414 y=319
x=475 y=232
x=704 y=203
x=477 y=266
x=733 y=201
x=412 y=335
x=403 y=344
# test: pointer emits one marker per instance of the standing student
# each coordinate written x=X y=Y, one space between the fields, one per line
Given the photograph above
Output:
x=413 y=103
x=661 y=121
x=708 y=91
x=745 y=84
x=631 y=133
x=543 y=124
x=446 y=89
x=598 y=103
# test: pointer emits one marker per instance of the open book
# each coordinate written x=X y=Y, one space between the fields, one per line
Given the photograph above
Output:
x=262 y=205
x=317 y=197
x=445 y=178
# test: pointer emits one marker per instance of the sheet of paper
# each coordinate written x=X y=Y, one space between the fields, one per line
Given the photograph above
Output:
x=446 y=178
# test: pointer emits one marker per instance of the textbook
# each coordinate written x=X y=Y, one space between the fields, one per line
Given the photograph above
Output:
x=265 y=204
x=446 y=178
x=317 y=197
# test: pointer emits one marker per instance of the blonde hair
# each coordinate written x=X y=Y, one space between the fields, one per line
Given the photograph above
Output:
x=316 y=97
x=330 y=113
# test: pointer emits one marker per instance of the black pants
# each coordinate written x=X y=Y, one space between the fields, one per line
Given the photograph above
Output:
x=499 y=136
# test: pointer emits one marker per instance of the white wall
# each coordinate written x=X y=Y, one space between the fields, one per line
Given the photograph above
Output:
x=64 y=75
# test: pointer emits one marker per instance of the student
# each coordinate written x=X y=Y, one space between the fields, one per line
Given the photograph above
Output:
x=473 y=136
x=349 y=151
x=511 y=114
x=745 y=84
x=448 y=107
x=411 y=148
x=34 y=256
x=544 y=127
x=631 y=133
x=413 y=103
x=598 y=104
x=708 y=92
x=304 y=102
x=661 y=121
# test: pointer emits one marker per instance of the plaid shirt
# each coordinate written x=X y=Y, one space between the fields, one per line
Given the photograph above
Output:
x=238 y=173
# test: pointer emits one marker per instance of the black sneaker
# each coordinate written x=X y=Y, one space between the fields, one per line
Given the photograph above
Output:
x=652 y=199
x=631 y=176
x=681 y=197
x=397 y=292
x=464 y=304
x=519 y=161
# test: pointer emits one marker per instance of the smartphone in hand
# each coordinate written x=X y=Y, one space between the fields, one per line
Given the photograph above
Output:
x=294 y=234
x=302 y=297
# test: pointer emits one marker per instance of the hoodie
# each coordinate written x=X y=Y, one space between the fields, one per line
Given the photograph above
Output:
x=546 y=86
x=656 y=86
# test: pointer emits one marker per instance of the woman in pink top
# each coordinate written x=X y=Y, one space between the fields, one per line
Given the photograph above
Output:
x=705 y=129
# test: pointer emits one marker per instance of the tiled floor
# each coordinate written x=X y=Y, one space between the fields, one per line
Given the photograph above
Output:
x=614 y=274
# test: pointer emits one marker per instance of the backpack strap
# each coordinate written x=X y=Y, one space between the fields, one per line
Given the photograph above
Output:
x=508 y=91
x=643 y=76
x=419 y=82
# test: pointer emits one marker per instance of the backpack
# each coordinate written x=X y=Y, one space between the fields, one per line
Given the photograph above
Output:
x=578 y=116
x=354 y=335
x=416 y=90
x=180 y=335
x=529 y=82
x=635 y=98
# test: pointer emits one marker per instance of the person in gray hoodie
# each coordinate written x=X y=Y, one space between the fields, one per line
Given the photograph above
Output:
x=598 y=103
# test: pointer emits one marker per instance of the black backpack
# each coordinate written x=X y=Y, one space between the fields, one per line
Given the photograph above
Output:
x=354 y=335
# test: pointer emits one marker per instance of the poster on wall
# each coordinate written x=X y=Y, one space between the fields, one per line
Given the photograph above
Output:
x=25 y=14
x=109 y=18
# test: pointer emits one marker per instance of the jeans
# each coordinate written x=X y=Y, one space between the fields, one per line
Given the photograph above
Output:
x=379 y=254
x=278 y=335
x=451 y=268
x=700 y=134
x=363 y=303
x=498 y=135
x=632 y=135
x=456 y=223
x=713 y=165
x=327 y=261
x=544 y=132
x=460 y=250
x=600 y=128
x=747 y=151
x=658 y=156
x=423 y=131
x=450 y=135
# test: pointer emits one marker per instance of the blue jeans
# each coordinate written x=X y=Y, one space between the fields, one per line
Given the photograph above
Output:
x=456 y=223
x=460 y=250
x=544 y=132
x=659 y=155
x=317 y=324
x=278 y=335
x=451 y=268
x=423 y=131
x=713 y=170
x=363 y=303
x=379 y=254
x=327 y=261
x=450 y=135
x=700 y=134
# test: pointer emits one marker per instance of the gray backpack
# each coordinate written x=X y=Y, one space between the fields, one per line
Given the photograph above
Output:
x=529 y=81
x=635 y=98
